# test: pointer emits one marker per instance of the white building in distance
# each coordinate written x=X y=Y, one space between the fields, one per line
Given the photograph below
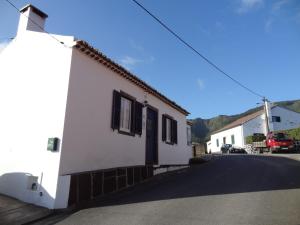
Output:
x=236 y=132
x=76 y=125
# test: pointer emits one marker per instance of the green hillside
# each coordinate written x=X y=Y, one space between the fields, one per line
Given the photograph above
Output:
x=202 y=128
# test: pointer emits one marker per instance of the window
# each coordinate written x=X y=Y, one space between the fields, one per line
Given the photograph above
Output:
x=189 y=135
x=232 y=140
x=217 y=142
x=169 y=130
x=224 y=140
x=127 y=114
x=276 y=119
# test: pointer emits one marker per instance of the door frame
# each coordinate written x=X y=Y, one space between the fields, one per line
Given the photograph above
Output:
x=157 y=136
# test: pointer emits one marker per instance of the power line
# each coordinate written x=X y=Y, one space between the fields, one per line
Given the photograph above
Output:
x=196 y=51
x=9 y=2
x=6 y=38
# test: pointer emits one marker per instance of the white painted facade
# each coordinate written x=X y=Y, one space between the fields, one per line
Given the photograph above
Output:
x=208 y=146
x=87 y=133
x=217 y=139
x=49 y=89
x=289 y=120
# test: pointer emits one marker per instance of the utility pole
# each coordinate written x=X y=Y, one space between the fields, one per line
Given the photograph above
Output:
x=267 y=114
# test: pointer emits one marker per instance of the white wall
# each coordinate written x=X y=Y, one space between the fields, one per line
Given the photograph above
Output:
x=256 y=125
x=289 y=119
x=208 y=146
x=34 y=75
x=236 y=131
x=89 y=142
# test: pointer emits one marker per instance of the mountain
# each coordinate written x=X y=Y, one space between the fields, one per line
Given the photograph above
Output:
x=202 y=128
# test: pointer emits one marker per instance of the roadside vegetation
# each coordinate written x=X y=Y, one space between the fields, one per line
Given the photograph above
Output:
x=292 y=133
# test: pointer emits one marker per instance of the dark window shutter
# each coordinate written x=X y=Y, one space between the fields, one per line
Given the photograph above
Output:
x=132 y=125
x=138 y=118
x=116 y=108
x=174 y=131
x=163 y=128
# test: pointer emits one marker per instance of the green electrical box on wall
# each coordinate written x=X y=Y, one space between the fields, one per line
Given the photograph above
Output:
x=52 y=144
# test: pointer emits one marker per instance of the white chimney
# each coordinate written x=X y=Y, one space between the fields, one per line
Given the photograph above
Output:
x=32 y=19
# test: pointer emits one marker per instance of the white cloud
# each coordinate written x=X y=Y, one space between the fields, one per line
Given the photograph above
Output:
x=3 y=45
x=136 y=46
x=129 y=62
x=248 y=5
x=279 y=4
x=200 y=84
x=268 y=24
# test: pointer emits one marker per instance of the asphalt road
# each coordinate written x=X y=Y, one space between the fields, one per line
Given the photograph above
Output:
x=234 y=189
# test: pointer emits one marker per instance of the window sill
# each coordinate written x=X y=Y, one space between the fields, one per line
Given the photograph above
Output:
x=169 y=143
x=126 y=133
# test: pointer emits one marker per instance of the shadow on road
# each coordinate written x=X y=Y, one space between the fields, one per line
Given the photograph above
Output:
x=224 y=175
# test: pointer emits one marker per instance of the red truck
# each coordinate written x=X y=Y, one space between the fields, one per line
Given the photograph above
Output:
x=275 y=142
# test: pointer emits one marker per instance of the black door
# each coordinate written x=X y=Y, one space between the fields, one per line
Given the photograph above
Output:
x=151 y=136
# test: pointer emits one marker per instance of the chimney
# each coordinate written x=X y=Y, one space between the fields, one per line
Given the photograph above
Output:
x=32 y=19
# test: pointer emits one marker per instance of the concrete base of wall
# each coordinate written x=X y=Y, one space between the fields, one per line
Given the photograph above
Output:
x=93 y=184
x=89 y=185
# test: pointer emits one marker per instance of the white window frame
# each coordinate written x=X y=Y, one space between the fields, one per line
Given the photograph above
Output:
x=168 y=130
x=125 y=115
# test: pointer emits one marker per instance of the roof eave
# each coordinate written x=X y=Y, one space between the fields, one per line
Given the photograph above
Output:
x=101 y=58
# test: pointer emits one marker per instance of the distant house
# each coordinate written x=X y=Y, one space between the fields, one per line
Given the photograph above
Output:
x=76 y=125
x=236 y=132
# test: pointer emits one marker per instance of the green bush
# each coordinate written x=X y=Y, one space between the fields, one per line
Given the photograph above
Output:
x=249 y=140
x=292 y=133
x=255 y=138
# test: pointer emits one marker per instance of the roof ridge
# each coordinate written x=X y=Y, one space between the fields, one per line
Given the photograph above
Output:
x=240 y=121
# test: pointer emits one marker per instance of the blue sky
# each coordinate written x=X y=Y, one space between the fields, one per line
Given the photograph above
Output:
x=255 y=41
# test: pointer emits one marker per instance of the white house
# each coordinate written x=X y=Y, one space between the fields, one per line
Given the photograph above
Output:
x=208 y=146
x=236 y=132
x=75 y=125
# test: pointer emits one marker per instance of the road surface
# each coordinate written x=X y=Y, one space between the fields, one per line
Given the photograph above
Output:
x=234 y=189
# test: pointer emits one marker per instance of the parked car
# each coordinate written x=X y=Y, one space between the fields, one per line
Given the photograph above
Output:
x=237 y=151
x=225 y=148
